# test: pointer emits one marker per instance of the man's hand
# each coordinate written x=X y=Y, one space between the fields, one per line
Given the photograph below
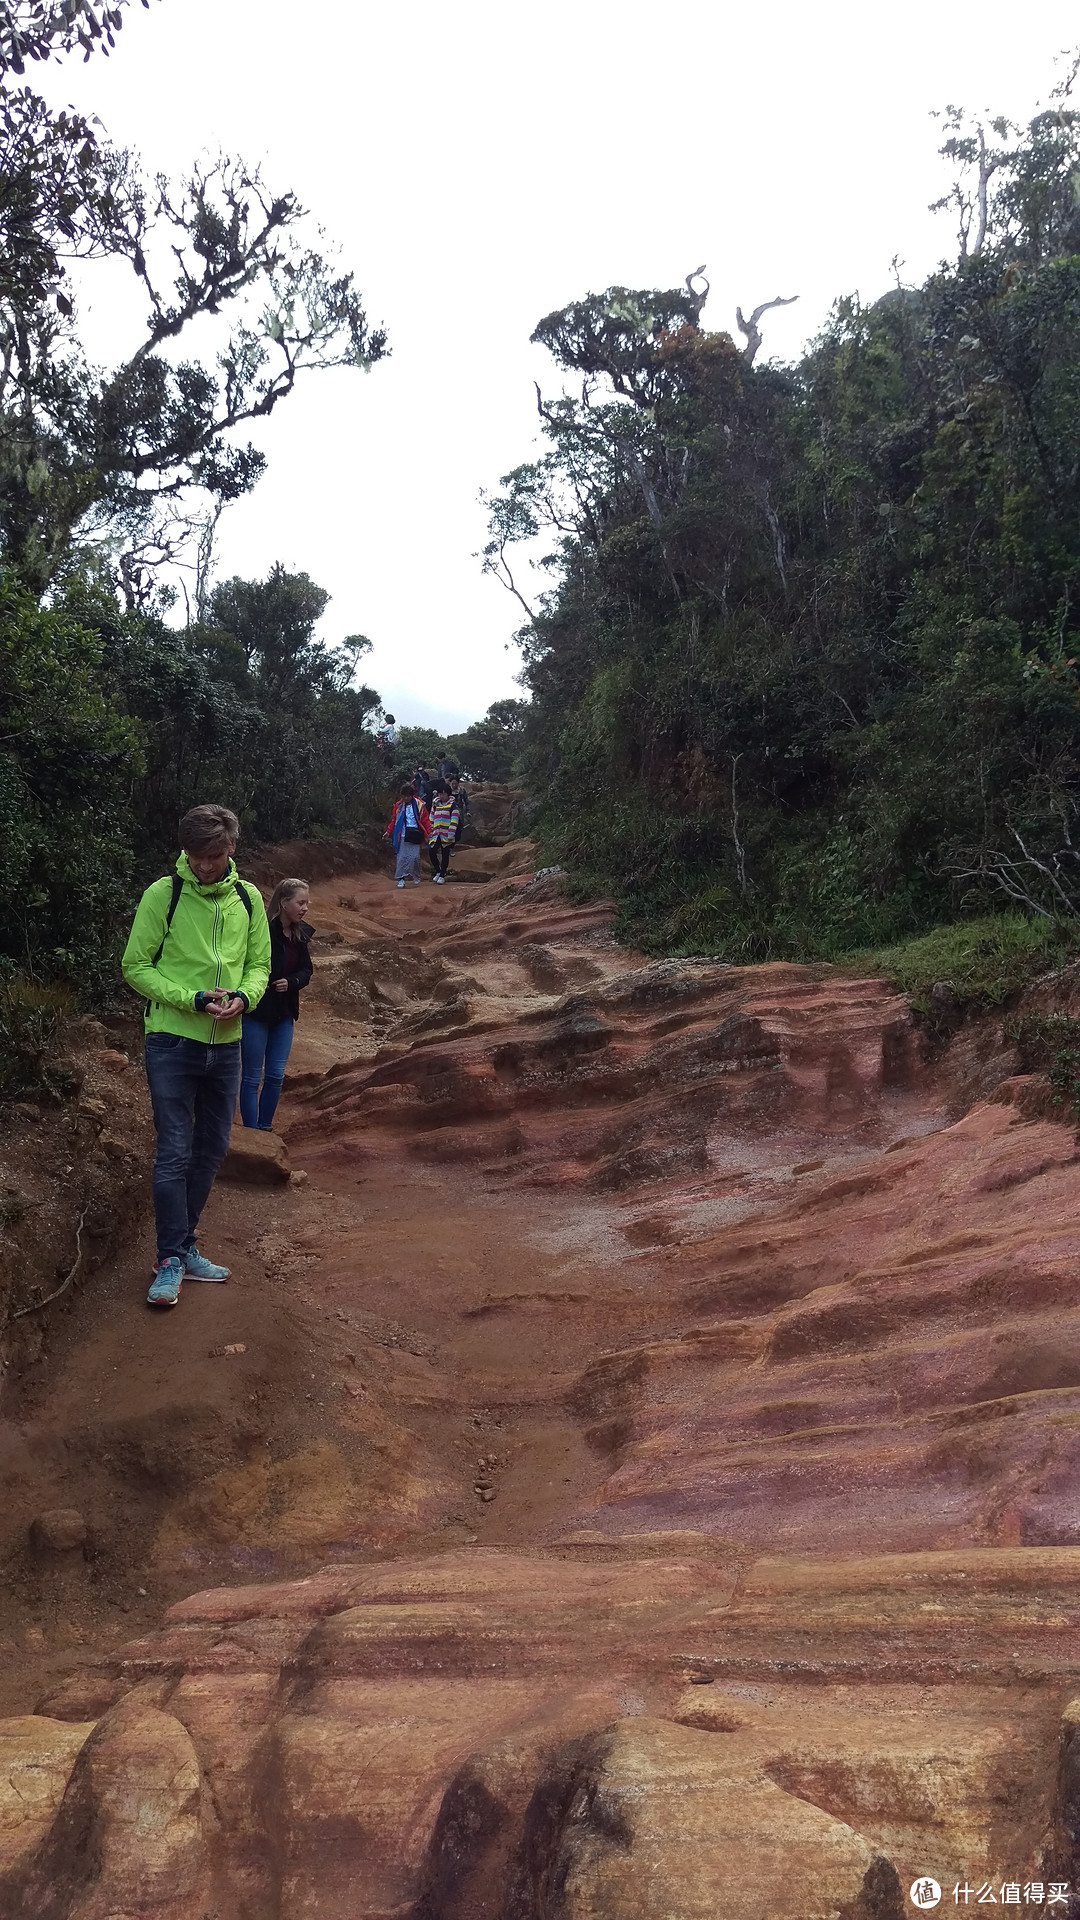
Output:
x=226 y=1007
x=280 y=986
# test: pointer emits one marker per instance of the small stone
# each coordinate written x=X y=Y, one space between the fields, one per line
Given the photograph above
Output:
x=299 y=1178
x=93 y=1110
x=88 y=1028
x=488 y=1494
x=59 y=1530
x=33 y=1639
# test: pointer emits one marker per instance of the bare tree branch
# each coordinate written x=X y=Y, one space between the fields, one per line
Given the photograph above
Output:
x=740 y=850
x=1047 y=884
x=752 y=329
x=697 y=299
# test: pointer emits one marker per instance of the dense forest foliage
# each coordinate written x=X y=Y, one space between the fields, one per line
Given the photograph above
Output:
x=803 y=675
x=114 y=719
x=804 y=678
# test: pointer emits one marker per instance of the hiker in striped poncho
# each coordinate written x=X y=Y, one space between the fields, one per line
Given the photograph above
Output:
x=443 y=831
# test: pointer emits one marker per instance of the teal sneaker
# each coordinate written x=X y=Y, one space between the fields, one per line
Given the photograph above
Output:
x=166 y=1284
x=196 y=1268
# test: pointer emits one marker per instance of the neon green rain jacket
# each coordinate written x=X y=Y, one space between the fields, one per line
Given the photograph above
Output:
x=212 y=942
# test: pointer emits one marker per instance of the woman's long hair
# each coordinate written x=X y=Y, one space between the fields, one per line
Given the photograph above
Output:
x=285 y=890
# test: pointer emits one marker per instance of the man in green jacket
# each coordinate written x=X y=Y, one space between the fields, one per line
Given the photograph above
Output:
x=199 y=953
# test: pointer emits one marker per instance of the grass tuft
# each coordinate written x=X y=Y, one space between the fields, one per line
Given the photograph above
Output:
x=972 y=966
x=31 y=1014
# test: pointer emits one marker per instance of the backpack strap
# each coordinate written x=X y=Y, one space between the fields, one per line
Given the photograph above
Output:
x=174 y=901
x=177 y=890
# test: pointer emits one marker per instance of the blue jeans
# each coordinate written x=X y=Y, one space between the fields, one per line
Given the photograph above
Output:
x=193 y=1095
x=265 y=1050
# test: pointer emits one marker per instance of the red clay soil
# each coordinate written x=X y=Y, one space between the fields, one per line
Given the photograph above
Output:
x=631 y=1472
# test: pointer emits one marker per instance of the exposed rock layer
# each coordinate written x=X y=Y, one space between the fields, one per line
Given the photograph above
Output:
x=489 y=1733
x=702 y=1446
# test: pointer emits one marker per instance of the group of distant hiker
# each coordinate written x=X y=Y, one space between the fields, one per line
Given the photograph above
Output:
x=221 y=976
x=430 y=811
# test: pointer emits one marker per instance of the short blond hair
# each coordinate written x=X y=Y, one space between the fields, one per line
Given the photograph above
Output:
x=205 y=827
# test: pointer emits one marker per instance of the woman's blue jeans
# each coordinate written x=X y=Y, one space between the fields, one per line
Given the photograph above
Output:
x=263 y=1051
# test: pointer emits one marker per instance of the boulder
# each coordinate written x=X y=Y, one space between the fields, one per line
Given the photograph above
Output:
x=60 y=1530
x=84 y=1695
x=256 y=1159
x=36 y=1758
x=649 y=1818
x=127 y=1839
x=113 y=1060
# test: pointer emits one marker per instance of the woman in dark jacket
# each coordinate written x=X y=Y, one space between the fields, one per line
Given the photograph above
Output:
x=268 y=1028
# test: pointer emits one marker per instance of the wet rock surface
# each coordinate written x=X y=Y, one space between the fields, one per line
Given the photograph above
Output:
x=633 y=1476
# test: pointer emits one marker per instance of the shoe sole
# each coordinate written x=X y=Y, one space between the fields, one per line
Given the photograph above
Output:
x=207 y=1279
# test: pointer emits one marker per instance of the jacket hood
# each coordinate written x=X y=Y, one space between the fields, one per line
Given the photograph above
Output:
x=227 y=881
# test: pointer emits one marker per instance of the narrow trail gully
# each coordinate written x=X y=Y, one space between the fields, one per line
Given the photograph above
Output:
x=353 y=1388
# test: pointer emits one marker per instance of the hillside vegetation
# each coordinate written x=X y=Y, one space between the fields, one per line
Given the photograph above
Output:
x=804 y=675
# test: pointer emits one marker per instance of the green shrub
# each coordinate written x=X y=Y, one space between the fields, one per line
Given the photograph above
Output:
x=67 y=763
x=1050 y=1043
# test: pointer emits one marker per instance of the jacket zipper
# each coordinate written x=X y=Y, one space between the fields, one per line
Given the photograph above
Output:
x=217 y=966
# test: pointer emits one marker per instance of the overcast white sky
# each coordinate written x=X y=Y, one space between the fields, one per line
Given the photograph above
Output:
x=480 y=164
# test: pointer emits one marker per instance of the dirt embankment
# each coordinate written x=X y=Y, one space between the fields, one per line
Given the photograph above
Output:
x=630 y=1473
x=74 y=1175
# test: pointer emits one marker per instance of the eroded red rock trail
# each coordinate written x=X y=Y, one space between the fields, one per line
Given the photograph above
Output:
x=633 y=1471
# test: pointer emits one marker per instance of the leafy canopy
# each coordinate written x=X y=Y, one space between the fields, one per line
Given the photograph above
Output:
x=104 y=456
x=802 y=642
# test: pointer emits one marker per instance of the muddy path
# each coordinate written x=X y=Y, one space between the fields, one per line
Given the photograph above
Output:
x=353 y=1388
x=637 y=1352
